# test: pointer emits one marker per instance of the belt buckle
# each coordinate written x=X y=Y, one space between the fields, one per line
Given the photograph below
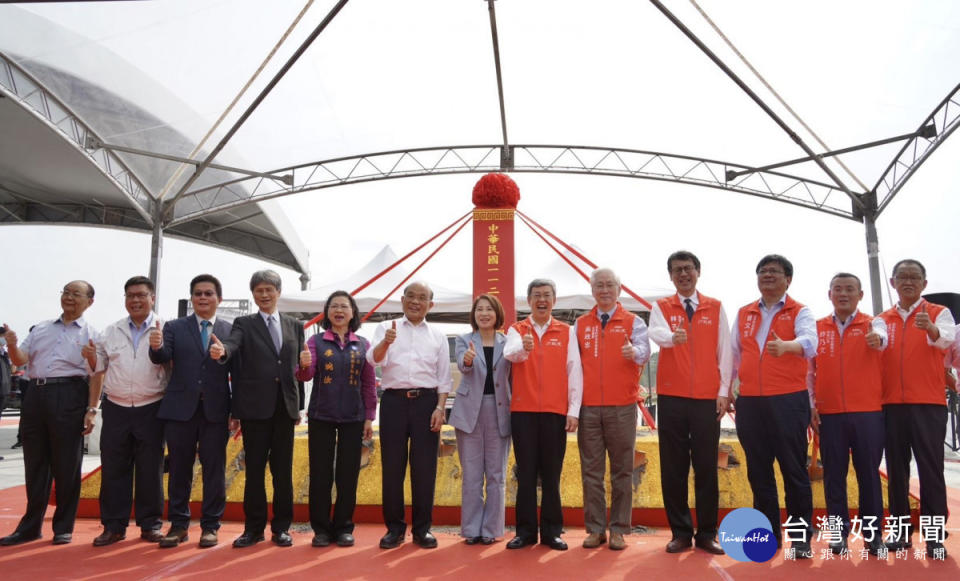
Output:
x=412 y=393
x=41 y=380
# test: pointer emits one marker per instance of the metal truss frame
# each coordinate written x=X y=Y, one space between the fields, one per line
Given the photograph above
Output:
x=566 y=159
x=20 y=86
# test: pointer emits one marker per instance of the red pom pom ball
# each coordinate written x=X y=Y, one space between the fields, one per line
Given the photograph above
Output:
x=496 y=190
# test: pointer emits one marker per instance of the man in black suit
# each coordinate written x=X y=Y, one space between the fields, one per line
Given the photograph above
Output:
x=267 y=400
x=196 y=407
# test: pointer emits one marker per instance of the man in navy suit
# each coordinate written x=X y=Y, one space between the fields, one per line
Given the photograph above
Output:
x=267 y=399
x=196 y=408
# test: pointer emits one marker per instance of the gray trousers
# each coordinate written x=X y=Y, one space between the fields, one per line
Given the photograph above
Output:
x=607 y=431
x=483 y=459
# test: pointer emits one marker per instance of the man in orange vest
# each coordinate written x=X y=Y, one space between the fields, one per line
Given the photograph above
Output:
x=613 y=348
x=772 y=339
x=547 y=390
x=693 y=383
x=845 y=380
x=914 y=407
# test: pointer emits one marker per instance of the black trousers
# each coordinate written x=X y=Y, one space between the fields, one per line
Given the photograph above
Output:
x=539 y=444
x=689 y=434
x=51 y=424
x=859 y=434
x=920 y=428
x=772 y=428
x=269 y=440
x=185 y=441
x=407 y=420
x=131 y=454
x=334 y=457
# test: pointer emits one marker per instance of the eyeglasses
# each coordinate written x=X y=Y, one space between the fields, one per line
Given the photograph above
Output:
x=413 y=297
x=131 y=296
x=204 y=293
x=683 y=269
x=764 y=271
x=541 y=296
x=338 y=307
x=908 y=278
x=74 y=294
x=604 y=285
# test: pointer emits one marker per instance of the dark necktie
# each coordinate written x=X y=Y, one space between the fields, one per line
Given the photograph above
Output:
x=274 y=329
x=689 y=308
x=205 y=334
x=603 y=320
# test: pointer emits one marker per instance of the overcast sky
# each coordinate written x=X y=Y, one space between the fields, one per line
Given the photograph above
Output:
x=391 y=75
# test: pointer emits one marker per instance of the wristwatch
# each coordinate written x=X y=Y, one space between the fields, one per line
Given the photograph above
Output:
x=92 y=410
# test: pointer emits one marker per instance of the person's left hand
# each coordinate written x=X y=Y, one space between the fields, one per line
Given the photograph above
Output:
x=436 y=420
x=368 y=429
x=627 y=349
x=572 y=424
x=776 y=346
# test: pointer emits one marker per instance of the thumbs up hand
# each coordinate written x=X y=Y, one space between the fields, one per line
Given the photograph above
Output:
x=528 y=342
x=680 y=334
x=391 y=335
x=216 y=347
x=9 y=335
x=775 y=345
x=627 y=349
x=306 y=360
x=922 y=321
x=469 y=355
x=156 y=337
x=89 y=352
x=873 y=340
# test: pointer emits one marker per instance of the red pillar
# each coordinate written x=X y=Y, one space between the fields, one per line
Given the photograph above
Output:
x=495 y=199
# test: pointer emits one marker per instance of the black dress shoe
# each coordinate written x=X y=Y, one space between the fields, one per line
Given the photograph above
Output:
x=175 y=536
x=108 y=538
x=936 y=550
x=679 y=544
x=391 y=540
x=282 y=539
x=426 y=540
x=487 y=540
x=471 y=540
x=247 y=539
x=154 y=535
x=873 y=547
x=555 y=543
x=16 y=537
x=709 y=545
x=62 y=538
x=894 y=546
x=320 y=540
x=345 y=540
x=839 y=547
x=520 y=542
x=802 y=550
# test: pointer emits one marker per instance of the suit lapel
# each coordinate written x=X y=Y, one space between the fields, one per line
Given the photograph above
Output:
x=480 y=361
x=261 y=326
x=499 y=340
x=193 y=328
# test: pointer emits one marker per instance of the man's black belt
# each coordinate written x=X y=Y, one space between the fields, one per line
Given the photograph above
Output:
x=412 y=393
x=53 y=380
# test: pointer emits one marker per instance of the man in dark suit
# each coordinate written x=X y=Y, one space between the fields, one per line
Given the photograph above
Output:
x=267 y=399
x=196 y=407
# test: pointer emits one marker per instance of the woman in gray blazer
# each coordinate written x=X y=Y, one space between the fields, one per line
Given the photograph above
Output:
x=481 y=416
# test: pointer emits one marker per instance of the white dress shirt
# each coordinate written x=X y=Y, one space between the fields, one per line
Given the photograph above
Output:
x=419 y=357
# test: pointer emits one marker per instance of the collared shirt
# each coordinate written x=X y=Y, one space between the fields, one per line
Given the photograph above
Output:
x=662 y=335
x=53 y=349
x=514 y=352
x=877 y=325
x=213 y=321
x=804 y=327
x=944 y=323
x=419 y=357
x=638 y=335
x=137 y=332
x=130 y=378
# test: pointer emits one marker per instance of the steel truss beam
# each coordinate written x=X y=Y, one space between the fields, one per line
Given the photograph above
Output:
x=564 y=159
x=911 y=156
x=27 y=91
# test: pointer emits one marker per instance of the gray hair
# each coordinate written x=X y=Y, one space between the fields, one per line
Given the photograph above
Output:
x=265 y=276
x=603 y=270
x=421 y=283
x=541 y=282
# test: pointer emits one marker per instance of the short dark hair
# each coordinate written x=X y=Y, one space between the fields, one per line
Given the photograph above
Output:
x=354 y=323
x=207 y=278
x=683 y=255
x=497 y=308
x=265 y=276
x=134 y=281
x=847 y=275
x=541 y=282
x=913 y=261
x=781 y=260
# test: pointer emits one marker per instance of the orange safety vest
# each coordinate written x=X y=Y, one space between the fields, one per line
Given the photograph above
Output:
x=540 y=382
x=762 y=374
x=912 y=368
x=847 y=370
x=609 y=378
x=693 y=369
